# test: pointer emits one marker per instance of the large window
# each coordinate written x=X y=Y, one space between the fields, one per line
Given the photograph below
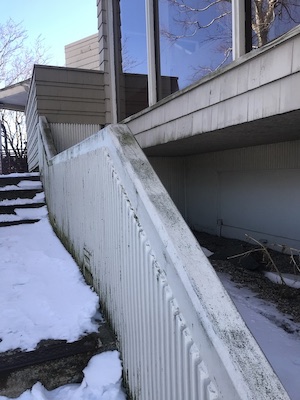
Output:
x=195 y=38
x=133 y=74
x=188 y=39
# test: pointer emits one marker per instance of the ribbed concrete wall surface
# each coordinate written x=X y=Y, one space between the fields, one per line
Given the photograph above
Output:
x=180 y=335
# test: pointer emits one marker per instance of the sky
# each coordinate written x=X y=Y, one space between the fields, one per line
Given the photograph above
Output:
x=59 y=22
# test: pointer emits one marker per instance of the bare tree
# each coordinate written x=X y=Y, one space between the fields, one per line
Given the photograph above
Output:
x=212 y=20
x=16 y=62
x=266 y=12
x=129 y=63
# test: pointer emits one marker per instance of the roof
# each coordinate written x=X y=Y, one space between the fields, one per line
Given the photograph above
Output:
x=14 y=97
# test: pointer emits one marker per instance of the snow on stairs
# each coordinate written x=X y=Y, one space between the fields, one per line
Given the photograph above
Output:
x=53 y=362
x=21 y=199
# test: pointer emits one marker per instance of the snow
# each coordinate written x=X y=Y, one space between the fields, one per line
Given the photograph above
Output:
x=35 y=266
x=266 y=324
x=102 y=381
x=22 y=185
x=38 y=198
x=25 y=213
x=20 y=175
x=207 y=252
x=289 y=279
x=43 y=296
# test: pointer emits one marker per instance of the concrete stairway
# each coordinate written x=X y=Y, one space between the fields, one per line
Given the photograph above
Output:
x=21 y=199
x=54 y=362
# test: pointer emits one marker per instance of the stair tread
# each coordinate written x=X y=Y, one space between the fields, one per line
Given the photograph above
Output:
x=38 y=198
x=54 y=349
x=53 y=363
x=12 y=208
x=18 y=222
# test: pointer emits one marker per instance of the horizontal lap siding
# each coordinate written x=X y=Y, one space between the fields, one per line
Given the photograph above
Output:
x=69 y=95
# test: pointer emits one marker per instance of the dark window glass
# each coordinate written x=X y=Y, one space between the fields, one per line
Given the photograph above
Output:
x=133 y=79
x=273 y=18
x=195 y=39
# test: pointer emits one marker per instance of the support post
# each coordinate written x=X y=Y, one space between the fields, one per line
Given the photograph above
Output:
x=238 y=28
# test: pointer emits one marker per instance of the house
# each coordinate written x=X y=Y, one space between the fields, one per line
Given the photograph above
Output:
x=226 y=147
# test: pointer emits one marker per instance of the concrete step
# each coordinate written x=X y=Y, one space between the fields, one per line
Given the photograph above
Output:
x=10 y=208
x=20 y=195
x=18 y=222
x=54 y=363
x=14 y=179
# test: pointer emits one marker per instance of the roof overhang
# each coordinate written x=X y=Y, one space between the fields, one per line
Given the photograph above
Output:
x=14 y=97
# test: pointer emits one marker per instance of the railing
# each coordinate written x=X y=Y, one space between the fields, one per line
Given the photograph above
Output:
x=180 y=336
x=11 y=162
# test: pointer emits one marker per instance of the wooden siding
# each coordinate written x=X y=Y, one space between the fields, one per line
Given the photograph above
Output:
x=83 y=53
x=67 y=95
x=63 y=96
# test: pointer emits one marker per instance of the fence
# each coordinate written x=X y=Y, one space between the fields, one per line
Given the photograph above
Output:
x=11 y=163
x=180 y=336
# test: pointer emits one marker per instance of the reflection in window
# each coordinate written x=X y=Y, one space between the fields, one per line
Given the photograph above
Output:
x=195 y=38
x=272 y=18
x=133 y=79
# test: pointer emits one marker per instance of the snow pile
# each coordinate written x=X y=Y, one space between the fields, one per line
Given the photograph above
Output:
x=207 y=252
x=42 y=292
x=289 y=279
x=102 y=381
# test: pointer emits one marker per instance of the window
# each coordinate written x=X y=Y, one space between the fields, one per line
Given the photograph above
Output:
x=134 y=71
x=195 y=39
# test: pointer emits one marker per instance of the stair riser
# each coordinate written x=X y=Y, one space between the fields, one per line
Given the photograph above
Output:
x=53 y=363
x=19 y=194
x=11 y=209
x=5 y=181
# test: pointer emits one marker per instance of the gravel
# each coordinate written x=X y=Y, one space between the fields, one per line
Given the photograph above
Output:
x=249 y=271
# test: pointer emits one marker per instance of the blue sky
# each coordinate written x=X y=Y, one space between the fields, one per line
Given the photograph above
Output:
x=59 y=22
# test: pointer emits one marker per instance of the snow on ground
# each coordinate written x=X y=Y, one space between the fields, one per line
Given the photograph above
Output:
x=102 y=381
x=289 y=279
x=207 y=252
x=43 y=296
x=266 y=323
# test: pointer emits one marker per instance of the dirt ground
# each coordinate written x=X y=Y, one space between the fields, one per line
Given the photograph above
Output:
x=249 y=271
